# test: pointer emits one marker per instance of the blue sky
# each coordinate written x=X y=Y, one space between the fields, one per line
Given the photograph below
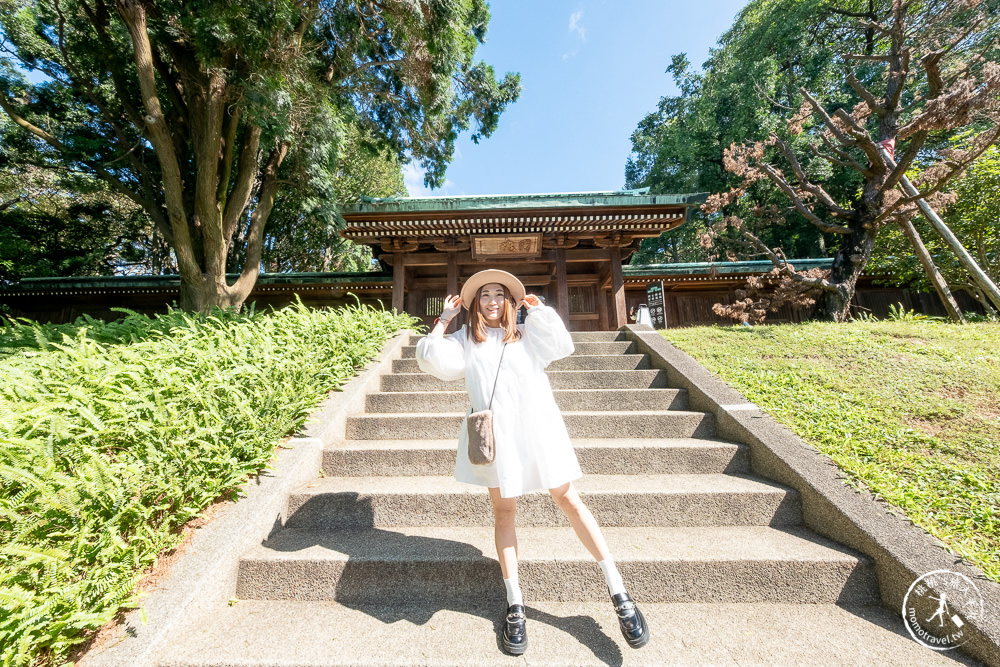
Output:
x=590 y=70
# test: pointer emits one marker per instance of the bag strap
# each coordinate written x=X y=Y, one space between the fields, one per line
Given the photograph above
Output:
x=498 y=376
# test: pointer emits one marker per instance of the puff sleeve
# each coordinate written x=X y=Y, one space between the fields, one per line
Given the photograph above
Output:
x=442 y=356
x=546 y=334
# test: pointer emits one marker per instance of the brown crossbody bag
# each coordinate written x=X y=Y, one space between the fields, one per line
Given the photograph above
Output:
x=482 y=446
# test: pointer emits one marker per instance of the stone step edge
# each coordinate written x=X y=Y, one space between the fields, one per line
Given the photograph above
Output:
x=254 y=633
x=770 y=544
x=565 y=413
x=591 y=390
x=662 y=484
x=550 y=371
x=610 y=443
x=664 y=565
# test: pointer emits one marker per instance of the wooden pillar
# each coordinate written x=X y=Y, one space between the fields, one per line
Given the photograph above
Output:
x=562 y=287
x=452 y=273
x=453 y=289
x=398 y=280
x=618 y=286
x=602 y=308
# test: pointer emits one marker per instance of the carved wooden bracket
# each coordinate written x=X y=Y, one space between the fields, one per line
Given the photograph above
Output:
x=614 y=239
x=397 y=244
x=559 y=241
x=452 y=244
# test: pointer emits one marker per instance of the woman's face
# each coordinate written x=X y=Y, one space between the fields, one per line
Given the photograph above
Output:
x=491 y=302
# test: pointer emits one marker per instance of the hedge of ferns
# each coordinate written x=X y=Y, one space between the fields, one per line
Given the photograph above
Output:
x=113 y=435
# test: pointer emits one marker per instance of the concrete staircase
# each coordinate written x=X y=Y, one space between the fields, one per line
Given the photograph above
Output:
x=386 y=559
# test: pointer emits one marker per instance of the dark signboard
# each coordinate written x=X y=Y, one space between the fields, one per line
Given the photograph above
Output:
x=654 y=299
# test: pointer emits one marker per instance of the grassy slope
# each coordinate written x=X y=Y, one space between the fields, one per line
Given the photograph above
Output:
x=910 y=410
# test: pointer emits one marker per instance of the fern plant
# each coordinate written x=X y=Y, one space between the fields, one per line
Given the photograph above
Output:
x=114 y=435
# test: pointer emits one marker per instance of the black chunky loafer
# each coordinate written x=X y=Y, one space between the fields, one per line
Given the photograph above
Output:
x=515 y=635
x=630 y=619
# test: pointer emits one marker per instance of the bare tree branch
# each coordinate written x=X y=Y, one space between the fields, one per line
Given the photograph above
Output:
x=862 y=140
x=807 y=185
x=779 y=179
x=841 y=136
x=863 y=93
x=88 y=90
x=846 y=159
x=248 y=166
x=865 y=58
x=787 y=269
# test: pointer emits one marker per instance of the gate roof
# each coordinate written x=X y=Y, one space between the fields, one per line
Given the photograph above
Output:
x=632 y=212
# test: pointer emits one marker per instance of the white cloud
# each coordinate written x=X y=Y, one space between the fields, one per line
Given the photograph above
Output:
x=575 y=24
x=413 y=179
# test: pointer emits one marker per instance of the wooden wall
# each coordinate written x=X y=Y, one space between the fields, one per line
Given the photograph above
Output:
x=685 y=305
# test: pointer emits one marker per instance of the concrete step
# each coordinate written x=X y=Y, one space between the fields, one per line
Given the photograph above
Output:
x=368 y=458
x=575 y=362
x=254 y=633
x=450 y=565
x=585 y=348
x=566 y=399
x=577 y=336
x=599 y=379
x=588 y=424
x=598 y=336
x=637 y=500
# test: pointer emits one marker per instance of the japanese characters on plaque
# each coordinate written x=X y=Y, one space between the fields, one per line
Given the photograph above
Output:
x=654 y=301
x=507 y=245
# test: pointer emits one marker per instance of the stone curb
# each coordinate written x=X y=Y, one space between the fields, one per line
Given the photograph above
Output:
x=204 y=577
x=901 y=550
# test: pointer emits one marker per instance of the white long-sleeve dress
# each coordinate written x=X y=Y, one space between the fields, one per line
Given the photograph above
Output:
x=533 y=449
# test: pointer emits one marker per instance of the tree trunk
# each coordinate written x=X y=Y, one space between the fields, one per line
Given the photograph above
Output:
x=848 y=264
x=205 y=214
x=202 y=295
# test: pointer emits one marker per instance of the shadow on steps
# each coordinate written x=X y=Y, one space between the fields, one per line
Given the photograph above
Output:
x=378 y=560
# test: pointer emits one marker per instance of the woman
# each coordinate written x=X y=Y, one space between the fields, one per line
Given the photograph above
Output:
x=506 y=361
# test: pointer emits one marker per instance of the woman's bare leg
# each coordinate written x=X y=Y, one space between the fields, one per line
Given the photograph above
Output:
x=630 y=619
x=514 y=635
x=582 y=520
x=506 y=537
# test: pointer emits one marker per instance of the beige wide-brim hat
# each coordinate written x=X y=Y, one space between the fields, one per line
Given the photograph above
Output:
x=470 y=290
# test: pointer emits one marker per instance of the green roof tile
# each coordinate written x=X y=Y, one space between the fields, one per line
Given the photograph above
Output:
x=639 y=197
x=710 y=268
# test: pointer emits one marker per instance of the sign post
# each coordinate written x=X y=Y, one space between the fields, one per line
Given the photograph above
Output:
x=654 y=299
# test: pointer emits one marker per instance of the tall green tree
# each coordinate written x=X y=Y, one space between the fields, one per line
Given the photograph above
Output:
x=302 y=234
x=740 y=93
x=192 y=109
x=927 y=75
x=793 y=107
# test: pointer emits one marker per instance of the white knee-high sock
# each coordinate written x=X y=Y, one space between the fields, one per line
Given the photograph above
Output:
x=611 y=575
x=513 y=591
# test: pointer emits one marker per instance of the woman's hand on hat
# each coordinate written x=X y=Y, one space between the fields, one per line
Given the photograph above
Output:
x=530 y=300
x=452 y=306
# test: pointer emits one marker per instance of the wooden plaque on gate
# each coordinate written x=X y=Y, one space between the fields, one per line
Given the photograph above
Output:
x=506 y=246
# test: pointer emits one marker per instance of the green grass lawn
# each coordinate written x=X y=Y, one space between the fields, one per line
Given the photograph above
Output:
x=909 y=410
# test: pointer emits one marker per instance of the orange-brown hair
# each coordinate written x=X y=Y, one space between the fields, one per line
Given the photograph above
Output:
x=508 y=319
